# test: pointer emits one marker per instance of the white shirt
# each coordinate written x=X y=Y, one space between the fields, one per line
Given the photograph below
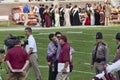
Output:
x=36 y=9
x=31 y=44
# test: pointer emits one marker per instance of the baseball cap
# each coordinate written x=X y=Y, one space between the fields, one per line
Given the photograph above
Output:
x=63 y=37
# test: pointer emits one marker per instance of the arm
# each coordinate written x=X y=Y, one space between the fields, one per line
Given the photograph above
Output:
x=117 y=56
x=106 y=54
x=65 y=67
x=26 y=64
x=9 y=65
x=51 y=50
x=30 y=51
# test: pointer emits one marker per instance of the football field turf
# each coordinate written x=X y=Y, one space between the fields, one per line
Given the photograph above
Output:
x=81 y=39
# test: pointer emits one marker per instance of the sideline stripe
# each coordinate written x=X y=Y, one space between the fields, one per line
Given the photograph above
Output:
x=40 y=28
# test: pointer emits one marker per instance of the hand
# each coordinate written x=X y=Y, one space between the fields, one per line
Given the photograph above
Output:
x=92 y=66
x=17 y=70
x=49 y=63
x=64 y=70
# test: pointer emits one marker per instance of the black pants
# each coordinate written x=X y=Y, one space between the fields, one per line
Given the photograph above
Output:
x=53 y=70
x=42 y=21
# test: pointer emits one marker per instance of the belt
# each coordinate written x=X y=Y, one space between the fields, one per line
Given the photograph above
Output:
x=33 y=53
x=100 y=60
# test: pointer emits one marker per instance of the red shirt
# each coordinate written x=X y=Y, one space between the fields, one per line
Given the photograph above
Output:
x=17 y=57
x=65 y=53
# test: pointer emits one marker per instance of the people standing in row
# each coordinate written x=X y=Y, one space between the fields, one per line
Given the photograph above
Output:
x=31 y=49
x=100 y=54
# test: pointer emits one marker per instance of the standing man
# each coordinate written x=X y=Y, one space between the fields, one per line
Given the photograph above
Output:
x=31 y=49
x=26 y=11
x=100 y=54
x=41 y=9
x=17 y=61
x=117 y=55
x=64 y=58
x=53 y=52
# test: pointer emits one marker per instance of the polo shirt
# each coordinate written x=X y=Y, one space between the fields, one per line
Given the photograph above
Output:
x=17 y=57
x=64 y=53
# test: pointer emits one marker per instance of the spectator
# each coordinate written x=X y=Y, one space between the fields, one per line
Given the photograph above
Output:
x=67 y=16
x=57 y=21
x=107 y=13
x=47 y=17
x=41 y=9
x=26 y=11
x=52 y=15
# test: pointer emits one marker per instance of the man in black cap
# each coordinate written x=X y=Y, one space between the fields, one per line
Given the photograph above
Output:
x=100 y=54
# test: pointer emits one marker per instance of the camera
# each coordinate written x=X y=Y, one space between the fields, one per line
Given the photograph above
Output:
x=2 y=51
x=11 y=40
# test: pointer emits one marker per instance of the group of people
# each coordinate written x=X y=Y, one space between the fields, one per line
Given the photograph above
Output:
x=20 y=59
x=59 y=57
x=100 y=55
x=73 y=15
x=22 y=56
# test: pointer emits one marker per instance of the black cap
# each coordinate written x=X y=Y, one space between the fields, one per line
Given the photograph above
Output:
x=118 y=36
x=99 y=35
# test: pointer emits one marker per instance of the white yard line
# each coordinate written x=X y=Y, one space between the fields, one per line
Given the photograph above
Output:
x=82 y=52
x=85 y=72
x=72 y=32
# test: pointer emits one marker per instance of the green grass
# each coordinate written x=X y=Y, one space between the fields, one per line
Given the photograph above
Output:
x=81 y=39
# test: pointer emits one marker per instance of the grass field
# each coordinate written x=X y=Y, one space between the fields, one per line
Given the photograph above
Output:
x=81 y=39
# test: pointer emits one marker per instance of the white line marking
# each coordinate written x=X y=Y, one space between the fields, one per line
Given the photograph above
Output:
x=87 y=63
x=73 y=70
x=40 y=28
x=74 y=32
x=82 y=52
x=83 y=72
